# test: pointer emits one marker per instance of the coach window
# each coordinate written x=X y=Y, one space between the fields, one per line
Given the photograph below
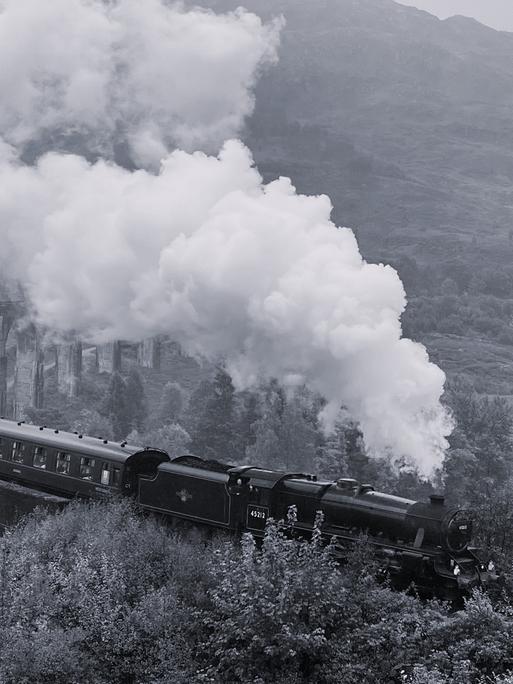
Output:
x=86 y=468
x=18 y=450
x=63 y=463
x=39 y=458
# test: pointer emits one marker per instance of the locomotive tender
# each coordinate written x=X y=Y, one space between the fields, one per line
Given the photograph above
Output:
x=424 y=543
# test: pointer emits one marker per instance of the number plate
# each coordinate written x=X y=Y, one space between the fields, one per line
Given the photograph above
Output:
x=257 y=517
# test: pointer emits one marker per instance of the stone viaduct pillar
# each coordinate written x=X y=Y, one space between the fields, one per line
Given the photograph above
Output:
x=8 y=314
x=149 y=353
x=69 y=368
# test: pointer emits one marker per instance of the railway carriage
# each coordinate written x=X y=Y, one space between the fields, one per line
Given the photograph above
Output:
x=71 y=464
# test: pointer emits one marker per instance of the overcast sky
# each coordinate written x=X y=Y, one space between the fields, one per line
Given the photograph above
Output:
x=495 y=13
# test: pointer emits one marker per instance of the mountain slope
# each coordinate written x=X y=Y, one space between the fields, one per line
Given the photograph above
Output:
x=417 y=108
x=405 y=121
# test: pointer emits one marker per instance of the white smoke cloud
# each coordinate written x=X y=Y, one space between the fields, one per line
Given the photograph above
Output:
x=231 y=268
x=142 y=73
x=201 y=249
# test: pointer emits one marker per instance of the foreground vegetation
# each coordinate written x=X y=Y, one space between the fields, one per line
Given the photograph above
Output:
x=99 y=594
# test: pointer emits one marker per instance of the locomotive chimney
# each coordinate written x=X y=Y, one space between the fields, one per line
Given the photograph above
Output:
x=437 y=499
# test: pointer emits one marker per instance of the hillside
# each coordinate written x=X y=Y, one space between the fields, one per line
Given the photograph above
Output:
x=405 y=121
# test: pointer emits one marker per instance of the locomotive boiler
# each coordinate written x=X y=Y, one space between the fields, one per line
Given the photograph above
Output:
x=424 y=543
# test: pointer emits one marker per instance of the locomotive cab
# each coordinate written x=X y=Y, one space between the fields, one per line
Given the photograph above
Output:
x=253 y=488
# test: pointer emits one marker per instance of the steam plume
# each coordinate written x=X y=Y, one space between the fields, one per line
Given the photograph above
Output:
x=201 y=249
x=137 y=73
x=231 y=267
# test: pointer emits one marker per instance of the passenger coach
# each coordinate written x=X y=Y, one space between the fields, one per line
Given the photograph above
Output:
x=71 y=464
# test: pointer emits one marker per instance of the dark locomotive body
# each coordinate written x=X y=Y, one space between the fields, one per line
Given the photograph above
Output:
x=425 y=543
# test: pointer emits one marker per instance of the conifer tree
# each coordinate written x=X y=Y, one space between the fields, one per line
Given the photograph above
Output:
x=265 y=451
x=137 y=409
x=298 y=438
x=331 y=455
x=214 y=434
x=248 y=416
x=171 y=403
x=115 y=406
x=193 y=415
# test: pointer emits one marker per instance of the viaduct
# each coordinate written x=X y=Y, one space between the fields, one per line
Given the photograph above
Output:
x=29 y=361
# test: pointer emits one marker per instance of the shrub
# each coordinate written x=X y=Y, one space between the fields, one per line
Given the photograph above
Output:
x=99 y=594
x=76 y=607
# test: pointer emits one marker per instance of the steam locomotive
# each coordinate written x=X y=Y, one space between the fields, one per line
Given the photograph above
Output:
x=426 y=544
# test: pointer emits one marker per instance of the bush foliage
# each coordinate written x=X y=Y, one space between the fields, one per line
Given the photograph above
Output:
x=100 y=594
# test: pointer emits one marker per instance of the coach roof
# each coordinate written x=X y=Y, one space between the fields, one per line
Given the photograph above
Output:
x=67 y=441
